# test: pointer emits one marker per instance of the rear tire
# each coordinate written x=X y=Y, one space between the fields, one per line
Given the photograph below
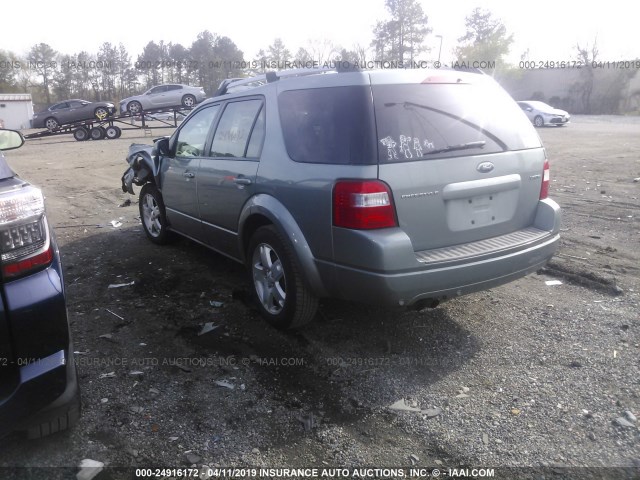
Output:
x=81 y=134
x=279 y=288
x=101 y=113
x=134 y=107
x=189 y=101
x=51 y=123
x=153 y=215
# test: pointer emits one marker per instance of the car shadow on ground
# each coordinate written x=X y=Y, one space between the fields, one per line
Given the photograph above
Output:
x=345 y=369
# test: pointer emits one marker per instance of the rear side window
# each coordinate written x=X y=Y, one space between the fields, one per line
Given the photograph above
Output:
x=329 y=125
x=234 y=129
x=423 y=121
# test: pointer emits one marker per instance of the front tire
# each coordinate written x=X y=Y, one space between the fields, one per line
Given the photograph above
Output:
x=153 y=215
x=279 y=289
x=538 y=121
x=101 y=113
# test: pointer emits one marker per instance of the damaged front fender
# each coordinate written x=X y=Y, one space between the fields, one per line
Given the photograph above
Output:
x=144 y=165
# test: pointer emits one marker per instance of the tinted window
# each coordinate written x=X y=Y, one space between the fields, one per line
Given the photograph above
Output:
x=193 y=134
x=414 y=120
x=328 y=125
x=174 y=87
x=155 y=90
x=236 y=124
x=60 y=106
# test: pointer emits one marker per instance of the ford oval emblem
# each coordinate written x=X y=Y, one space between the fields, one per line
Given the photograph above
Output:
x=485 y=167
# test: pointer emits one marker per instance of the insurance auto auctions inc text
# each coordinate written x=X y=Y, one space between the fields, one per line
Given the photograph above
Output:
x=368 y=473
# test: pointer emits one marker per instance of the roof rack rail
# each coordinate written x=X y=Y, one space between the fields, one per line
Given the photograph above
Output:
x=235 y=84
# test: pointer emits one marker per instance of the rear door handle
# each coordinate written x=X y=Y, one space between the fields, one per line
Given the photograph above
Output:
x=242 y=181
x=189 y=174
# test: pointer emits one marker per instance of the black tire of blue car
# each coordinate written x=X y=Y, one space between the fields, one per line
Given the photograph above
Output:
x=81 y=134
x=153 y=215
x=188 y=101
x=97 y=133
x=279 y=289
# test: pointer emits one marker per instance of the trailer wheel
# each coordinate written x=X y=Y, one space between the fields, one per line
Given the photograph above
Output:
x=51 y=123
x=111 y=132
x=97 y=133
x=81 y=134
x=119 y=131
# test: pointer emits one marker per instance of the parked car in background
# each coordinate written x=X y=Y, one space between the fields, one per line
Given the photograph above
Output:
x=171 y=95
x=39 y=390
x=71 y=111
x=542 y=114
x=400 y=187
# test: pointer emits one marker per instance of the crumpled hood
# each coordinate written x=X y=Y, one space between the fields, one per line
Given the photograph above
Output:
x=143 y=165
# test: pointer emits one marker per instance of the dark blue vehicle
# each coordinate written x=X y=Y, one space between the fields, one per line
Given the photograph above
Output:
x=39 y=391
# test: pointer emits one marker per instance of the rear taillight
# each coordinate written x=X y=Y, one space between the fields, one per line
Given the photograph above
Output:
x=24 y=236
x=544 y=188
x=363 y=205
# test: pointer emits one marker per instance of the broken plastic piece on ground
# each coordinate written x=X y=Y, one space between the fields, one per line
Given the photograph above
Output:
x=402 y=406
x=207 y=327
x=120 y=285
x=551 y=283
x=115 y=223
x=89 y=469
x=225 y=384
x=114 y=314
x=216 y=304
x=108 y=375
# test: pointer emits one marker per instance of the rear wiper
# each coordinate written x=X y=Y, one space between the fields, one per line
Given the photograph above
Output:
x=462 y=146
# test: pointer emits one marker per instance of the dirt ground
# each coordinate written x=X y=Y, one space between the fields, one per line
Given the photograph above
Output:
x=525 y=375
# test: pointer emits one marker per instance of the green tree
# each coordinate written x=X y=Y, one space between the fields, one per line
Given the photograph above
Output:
x=401 y=37
x=42 y=58
x=277 y=53
x=9 y=65
x=486 y=39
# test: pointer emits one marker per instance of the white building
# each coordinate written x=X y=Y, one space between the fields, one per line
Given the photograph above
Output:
x=16 y=110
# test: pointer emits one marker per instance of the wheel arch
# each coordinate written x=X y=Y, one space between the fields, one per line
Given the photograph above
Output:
x=263 y=210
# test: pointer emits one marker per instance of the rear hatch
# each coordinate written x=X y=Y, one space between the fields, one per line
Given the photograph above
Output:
x=463 y=162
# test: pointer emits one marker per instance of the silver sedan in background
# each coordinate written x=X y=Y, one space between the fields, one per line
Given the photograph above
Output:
x=170 y=95
x=542 y=114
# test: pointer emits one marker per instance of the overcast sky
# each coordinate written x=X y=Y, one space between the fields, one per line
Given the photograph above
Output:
x=549 y=29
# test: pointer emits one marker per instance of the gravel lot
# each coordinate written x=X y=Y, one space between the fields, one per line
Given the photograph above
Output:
x=526 y=375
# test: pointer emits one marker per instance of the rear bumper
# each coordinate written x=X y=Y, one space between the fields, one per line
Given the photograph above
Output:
x=407 y=288
x=385 y=270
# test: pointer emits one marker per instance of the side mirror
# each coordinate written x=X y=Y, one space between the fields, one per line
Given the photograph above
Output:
x=162 y=146
x=10 y=139
x=529 y=109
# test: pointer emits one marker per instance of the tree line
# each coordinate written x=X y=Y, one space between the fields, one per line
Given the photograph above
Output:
x=112 y=73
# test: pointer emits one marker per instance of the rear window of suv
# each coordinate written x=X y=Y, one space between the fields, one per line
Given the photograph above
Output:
x=424 y=121
x=329 y=125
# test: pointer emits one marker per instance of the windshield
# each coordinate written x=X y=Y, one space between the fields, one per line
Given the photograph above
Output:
x=417 y=121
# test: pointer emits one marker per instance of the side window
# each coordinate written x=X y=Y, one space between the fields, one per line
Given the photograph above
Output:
x=156 y=90
x=193 y=134
x=60 y=106
x=174 y=87
x=236 y=124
